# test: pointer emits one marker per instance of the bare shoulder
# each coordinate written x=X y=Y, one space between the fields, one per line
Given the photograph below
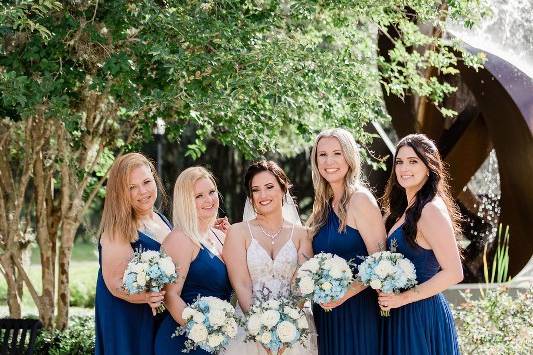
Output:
x=434 y=211
x=363 y=198
x=177 y=239
x=237 y=233
x=301 y=232
x=114 y=243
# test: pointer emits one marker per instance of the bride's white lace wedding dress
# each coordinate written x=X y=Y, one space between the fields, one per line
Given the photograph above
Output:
x=274 y=275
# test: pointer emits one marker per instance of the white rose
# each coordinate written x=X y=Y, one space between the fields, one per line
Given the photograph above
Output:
x=265 y=338
x=198 y=333
x=148 y=255
x=407 y=267
x=187 y=313
x=139 y=267
x=328 y=263
x=384 y=268
x=254 y=324
x=311 y=265
x=198 y=317
x=291 y=312
x=216 y=317
x=375 y=284
x=286 y=331
x=141 y=279
x=214 y=340
x=272 y=304
x=326 y=286
x=302 y=323
x=306 y=285
x=270 y=318
x=167 y=265
x=336 y=272
x=230 y=328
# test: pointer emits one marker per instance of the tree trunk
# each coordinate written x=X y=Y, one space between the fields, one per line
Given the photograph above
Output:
x=65 y=252
x=13 y=300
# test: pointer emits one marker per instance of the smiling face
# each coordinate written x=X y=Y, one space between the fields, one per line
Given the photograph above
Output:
x=267 y=195
x=330 y=160
x=142 y=189
x=206 y=199
x=411 y=172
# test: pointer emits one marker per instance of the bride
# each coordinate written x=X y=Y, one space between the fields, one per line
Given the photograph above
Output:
x=263 y=251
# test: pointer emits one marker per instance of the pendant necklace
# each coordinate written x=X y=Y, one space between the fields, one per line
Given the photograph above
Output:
x=273 y=236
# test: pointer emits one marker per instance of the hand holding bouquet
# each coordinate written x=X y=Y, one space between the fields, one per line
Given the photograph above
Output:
x=148 y=271
x=324 y=278
x=276 y=324
x=388 y=272
x=210 y=324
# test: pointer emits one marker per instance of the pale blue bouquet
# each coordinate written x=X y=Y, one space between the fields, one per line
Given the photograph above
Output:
x=388 y=272
x=148 y=271
x=276 y=324
x=324 y=278
x=210 y=324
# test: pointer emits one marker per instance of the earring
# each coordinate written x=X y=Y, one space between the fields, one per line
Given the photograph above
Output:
x=427 y=174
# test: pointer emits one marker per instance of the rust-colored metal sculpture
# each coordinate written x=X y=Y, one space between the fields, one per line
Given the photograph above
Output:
x=495 y=106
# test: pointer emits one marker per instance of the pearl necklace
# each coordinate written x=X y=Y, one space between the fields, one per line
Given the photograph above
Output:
x=273 y=236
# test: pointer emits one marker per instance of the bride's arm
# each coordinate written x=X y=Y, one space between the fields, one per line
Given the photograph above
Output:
x=235 y=257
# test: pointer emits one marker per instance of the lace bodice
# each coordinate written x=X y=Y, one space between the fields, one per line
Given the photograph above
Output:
x=272 y=274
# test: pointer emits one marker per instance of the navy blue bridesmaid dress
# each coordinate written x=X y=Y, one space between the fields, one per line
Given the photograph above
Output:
x=207 y=276
x=122 y=327
x=424 y=327
x=353 y=327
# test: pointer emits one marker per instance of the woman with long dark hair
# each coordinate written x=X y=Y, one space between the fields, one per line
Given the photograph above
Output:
x=421 y=222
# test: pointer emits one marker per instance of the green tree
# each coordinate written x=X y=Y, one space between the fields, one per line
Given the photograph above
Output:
x=81 y=81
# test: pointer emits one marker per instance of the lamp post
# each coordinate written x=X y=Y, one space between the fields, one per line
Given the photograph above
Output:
x=159 y=132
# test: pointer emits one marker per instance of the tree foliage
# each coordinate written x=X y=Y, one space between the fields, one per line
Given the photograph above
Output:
x=83 y=80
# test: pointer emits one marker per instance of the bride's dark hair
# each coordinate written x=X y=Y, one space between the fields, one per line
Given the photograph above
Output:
x=270 y=166
x=395 y=201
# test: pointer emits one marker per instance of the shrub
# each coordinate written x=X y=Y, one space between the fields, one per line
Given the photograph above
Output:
x=496 y=323
x=77 y=339
x=81 y=295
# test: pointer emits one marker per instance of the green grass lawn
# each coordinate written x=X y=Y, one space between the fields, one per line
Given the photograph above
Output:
x=83 y=271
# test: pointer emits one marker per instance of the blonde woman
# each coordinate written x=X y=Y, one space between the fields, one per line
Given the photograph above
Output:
x=196 y=247
x=345 y=221
x=125 y=323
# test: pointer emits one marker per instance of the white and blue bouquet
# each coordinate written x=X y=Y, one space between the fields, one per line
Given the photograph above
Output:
x=148 y=271
x=276 y=324
x=388 y=272
x=324 y=278
x=210 y=324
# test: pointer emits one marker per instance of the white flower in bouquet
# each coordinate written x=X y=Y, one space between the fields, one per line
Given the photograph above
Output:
x=254 y=324
x=148 y=255
x=375 y=284
x=286 y=331
x=384 y=268
x=198 y=333
x=230 y=328
x=407 y=267
x=270 y=318
x=302 y=323
x=306 y=285
x=292 y=312
x=198 y=317
x=217 y=317
x=311 y=265
x=326 y=286
x=140 y=267
x=141 y=279
x=272 y=304
x=265 y=338
x=187 y=313
x=214 y=340
x=167 y=265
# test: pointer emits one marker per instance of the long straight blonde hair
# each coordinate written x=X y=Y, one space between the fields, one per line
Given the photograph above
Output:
x=323 y=191
x=119 y=218
x=184 y=215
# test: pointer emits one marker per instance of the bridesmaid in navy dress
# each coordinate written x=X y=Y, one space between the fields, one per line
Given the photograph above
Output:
x=346 y=221
x=125 y=324
x=197 y=250
x=422 y=223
